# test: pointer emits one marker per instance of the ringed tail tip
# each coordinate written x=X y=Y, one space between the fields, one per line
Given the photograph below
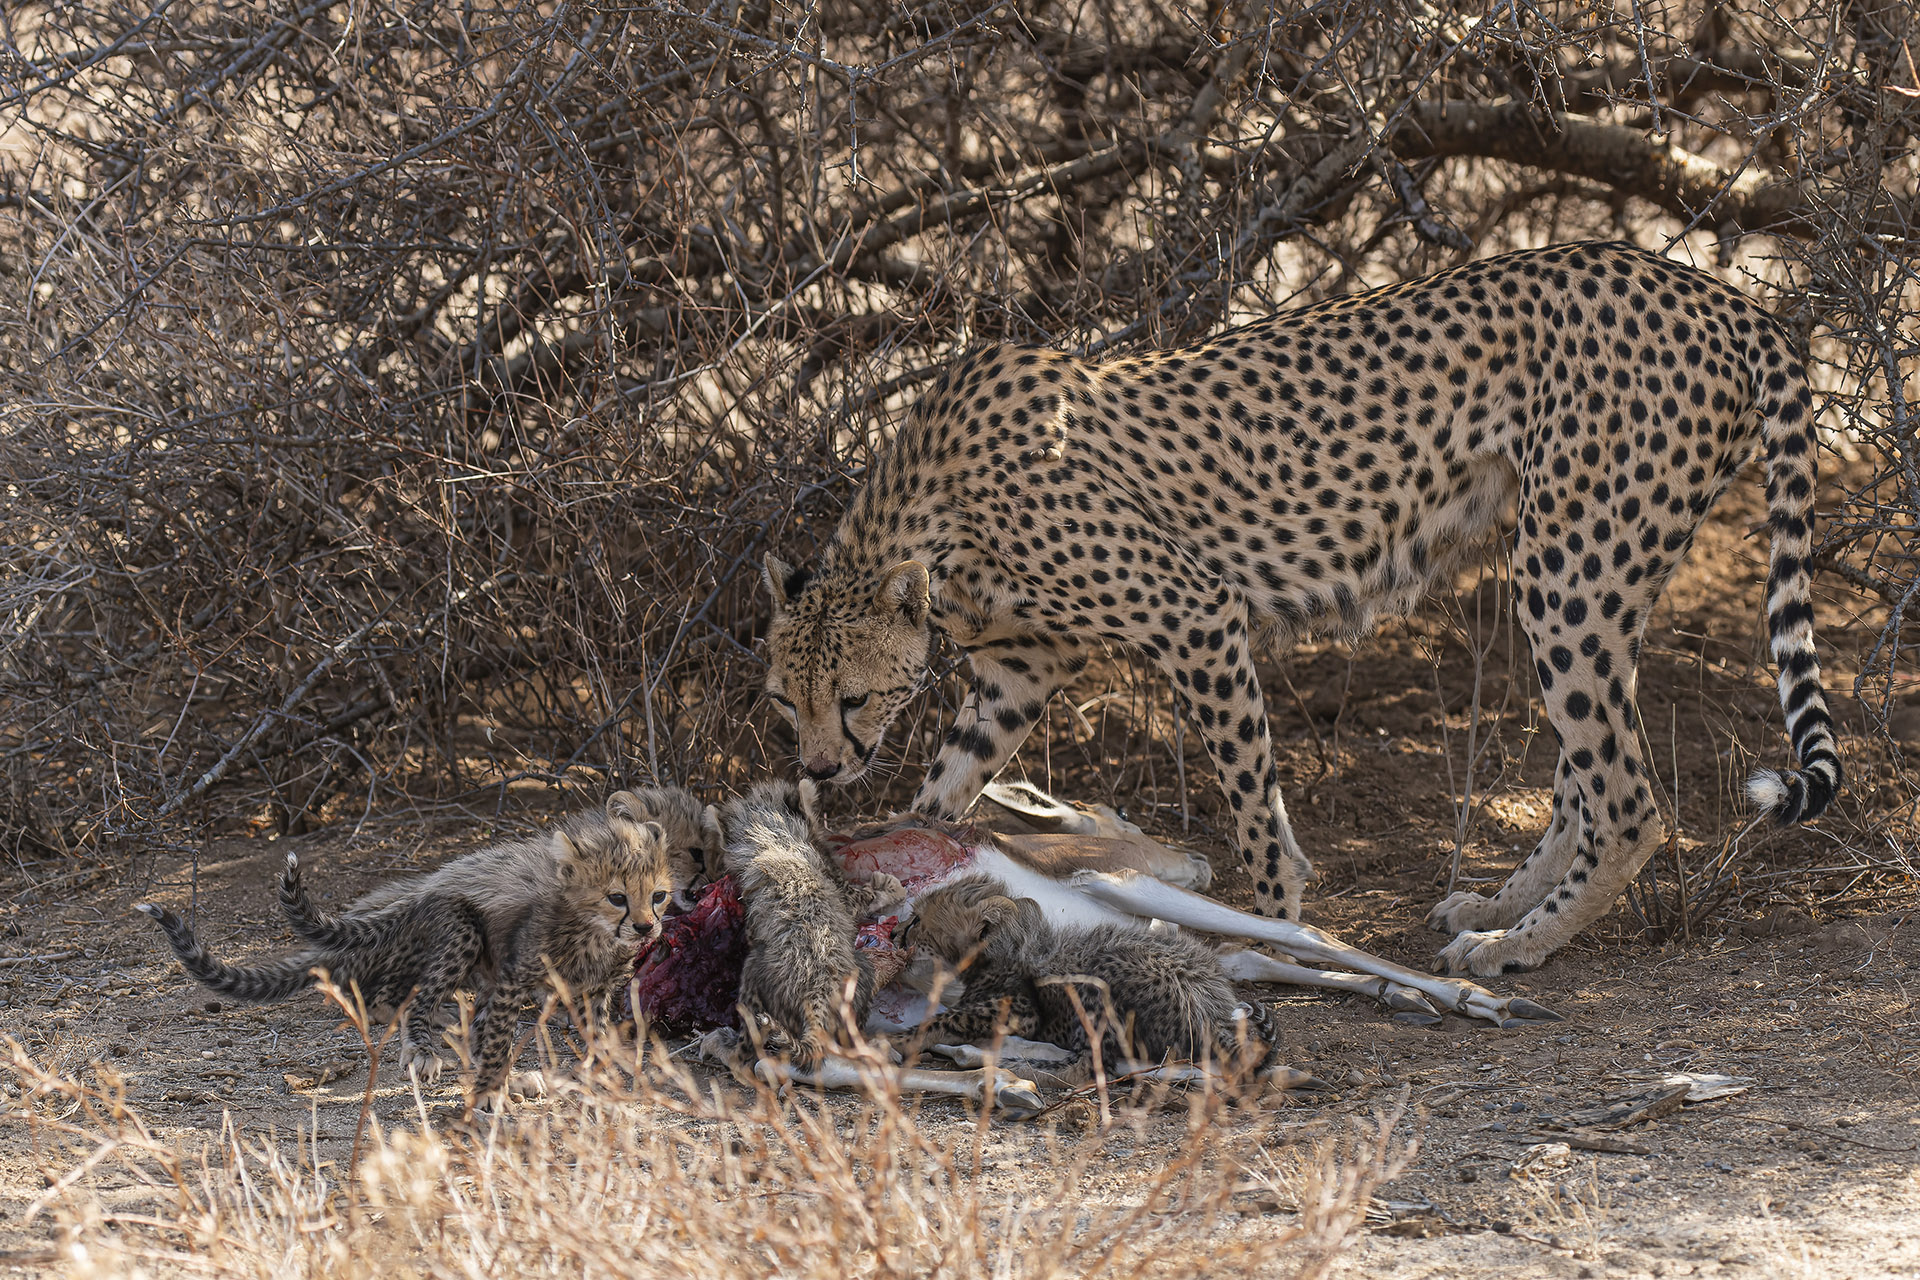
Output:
x=1794 y=795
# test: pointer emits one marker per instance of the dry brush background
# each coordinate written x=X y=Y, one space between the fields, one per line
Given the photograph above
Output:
x=396 y=399
x=399 y=394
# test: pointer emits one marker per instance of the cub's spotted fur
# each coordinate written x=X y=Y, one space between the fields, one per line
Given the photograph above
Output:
x=1149 y=996
x=1319 y=469
x=582 y=898
x=802 y=968
x=692 y=853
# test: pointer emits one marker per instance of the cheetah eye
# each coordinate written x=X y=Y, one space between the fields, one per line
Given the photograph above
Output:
x=853 y=703
x=784 y=705
x=618 y=899
x=659 y=897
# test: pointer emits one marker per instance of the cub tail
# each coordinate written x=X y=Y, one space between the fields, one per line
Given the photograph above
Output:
x=350 y=932
x=275 y=981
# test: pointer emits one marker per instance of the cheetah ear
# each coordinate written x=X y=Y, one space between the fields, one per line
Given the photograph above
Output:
x=784 y=582
x=710 y=826
x=625 y=806
x=997 y=911
x=567 y=855
x=906 y=590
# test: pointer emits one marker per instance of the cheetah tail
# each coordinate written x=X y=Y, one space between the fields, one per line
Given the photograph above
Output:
x=274 y=981
x=1260 y=1030
x=1794 y=795
x=321 y=928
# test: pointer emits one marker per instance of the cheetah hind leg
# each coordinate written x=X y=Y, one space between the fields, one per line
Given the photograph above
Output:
x=1149 y=899
x=1531 y=881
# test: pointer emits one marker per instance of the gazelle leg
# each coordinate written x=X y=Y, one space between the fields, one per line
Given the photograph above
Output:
x=1011 y=1095
x=1404 y=1002
x=1151 y=899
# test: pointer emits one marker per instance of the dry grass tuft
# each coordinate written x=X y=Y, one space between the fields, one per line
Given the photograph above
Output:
x=639 y=1168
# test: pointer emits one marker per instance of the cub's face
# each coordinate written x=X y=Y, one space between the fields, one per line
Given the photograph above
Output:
x=693 y=849
x=844 y=657
x=956 y=920
x=617 y=879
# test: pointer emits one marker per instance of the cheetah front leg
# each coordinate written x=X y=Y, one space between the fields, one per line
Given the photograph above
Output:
x=1213 y=675
x=1531 y=881
x=494 y=1035
x=1012 y=680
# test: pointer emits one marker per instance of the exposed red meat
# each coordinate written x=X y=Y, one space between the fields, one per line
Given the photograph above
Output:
x=688 y=981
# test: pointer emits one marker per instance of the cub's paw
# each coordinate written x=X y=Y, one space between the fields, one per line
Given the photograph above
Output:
x=886 y=889
x=1491 y=953
x=422 y=1065
x=533 y=1084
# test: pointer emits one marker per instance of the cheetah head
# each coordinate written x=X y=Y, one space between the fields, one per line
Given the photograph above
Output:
x=614 y=873
x=845 y=654
x=957 y=920
x=693 y=850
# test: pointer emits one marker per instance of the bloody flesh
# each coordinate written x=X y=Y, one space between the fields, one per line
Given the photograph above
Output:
x=688 y=981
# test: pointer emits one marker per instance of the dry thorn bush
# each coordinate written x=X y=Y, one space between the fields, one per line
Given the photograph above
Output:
x=396 y=397
x=658 y=1173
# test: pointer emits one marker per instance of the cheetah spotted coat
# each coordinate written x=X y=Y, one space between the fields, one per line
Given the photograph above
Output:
x=1320 y=469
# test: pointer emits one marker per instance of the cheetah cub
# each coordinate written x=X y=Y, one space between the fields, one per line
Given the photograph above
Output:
x=693 y=844
x=1149 y=996
x=576 y=902
x=801 y=964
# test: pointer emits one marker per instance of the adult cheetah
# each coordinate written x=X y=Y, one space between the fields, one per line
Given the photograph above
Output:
x=1319 y=469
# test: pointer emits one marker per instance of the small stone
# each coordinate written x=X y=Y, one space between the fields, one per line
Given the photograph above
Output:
x=212 y=1006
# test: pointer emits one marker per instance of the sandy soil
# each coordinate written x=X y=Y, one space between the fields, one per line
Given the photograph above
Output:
x=1802 y=979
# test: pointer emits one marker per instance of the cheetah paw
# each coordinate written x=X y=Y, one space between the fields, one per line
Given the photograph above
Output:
x=524 y=1085
x=886 y=889
x=1490 y=953
x=1459 y=912
x=423 y=1066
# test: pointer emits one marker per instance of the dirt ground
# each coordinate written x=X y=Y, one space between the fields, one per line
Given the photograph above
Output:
x=1802 y=978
